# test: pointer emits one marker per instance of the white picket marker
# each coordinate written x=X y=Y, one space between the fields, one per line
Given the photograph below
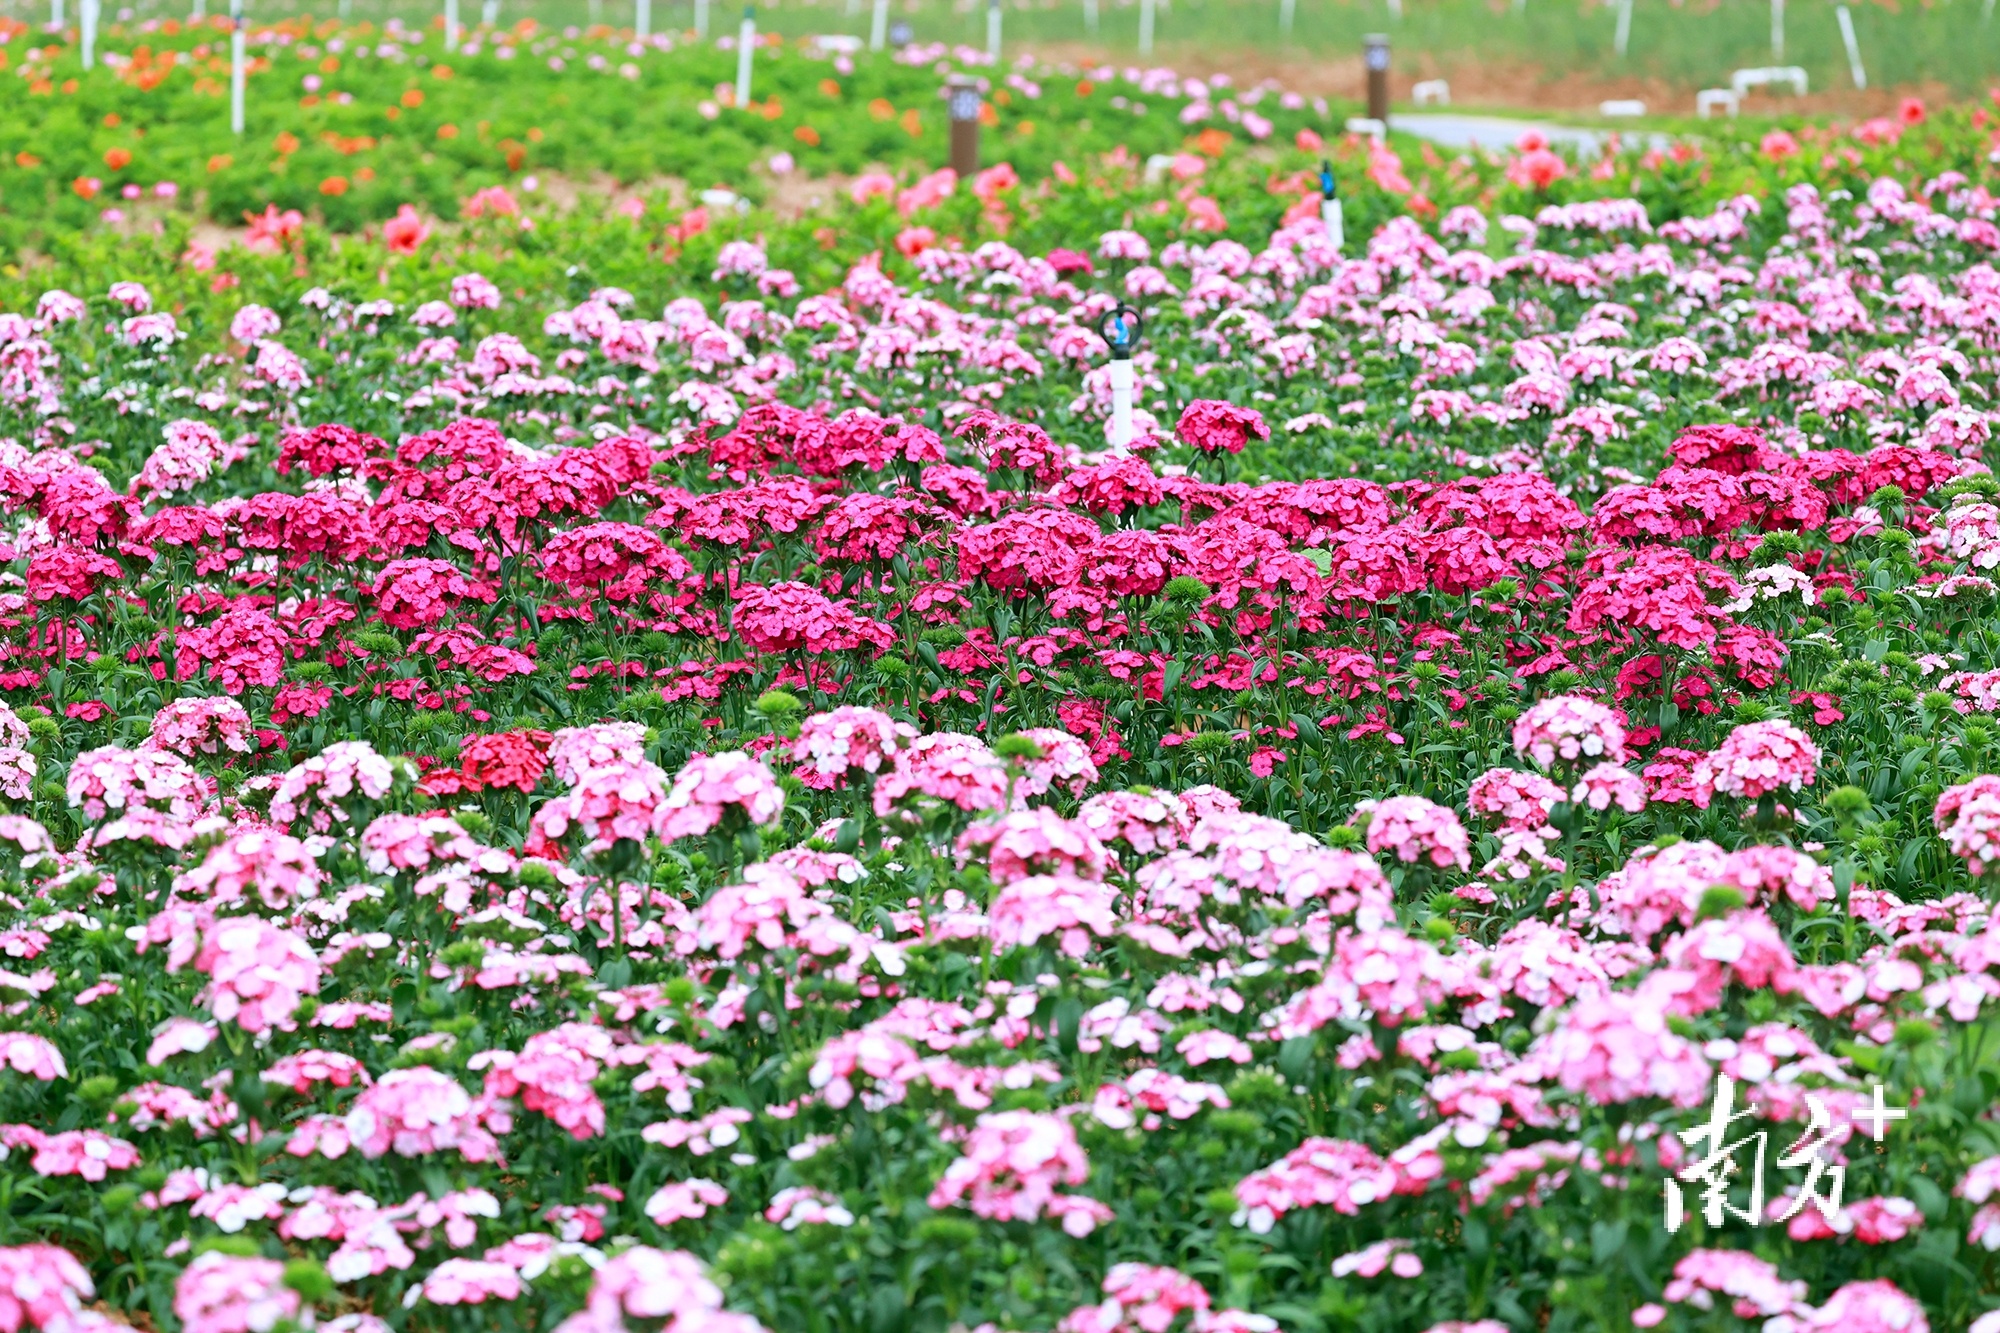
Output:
x=236 y=67
x=1854 y=47
x=701 y=19
x=89 y=17
x=452 y=34
x=1287 y=11
x=1624 y=39
x=1090 y=15
x=1777 y=29
x=746 y=47
x=1145 y=27
x=993 y=29
x=642 y=18
x=878 y=27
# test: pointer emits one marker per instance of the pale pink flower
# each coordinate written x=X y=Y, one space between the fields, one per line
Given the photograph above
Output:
x=1570 y=730
x=708 y=787
x=222 y=1293
x=1416 y=830
x=1758 y=759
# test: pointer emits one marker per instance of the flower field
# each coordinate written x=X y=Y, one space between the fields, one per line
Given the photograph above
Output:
x=658 y=772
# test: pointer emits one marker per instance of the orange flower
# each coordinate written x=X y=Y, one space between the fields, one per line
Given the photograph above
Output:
x=40 y=88
x=118 y=158
x=1212 y=141
x=26 y=161
x=393 y=112
x=441 y=71
x=111 y=121
x=807 y=135
x=86 y=187
x=987 y=116
x=882 y=109
x=365 y=175
x=413 y=98
x=447 y=131
x=287 y=143
x=771 y=110
x=534 y=134
x=220 y=162
x=913 y=124
x=406 y=231
x=333 y=185
x=330 y=65
x=831 y=87
x=1084 y=87
x=69 y=87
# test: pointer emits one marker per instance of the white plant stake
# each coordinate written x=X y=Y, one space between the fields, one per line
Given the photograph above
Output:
x=1854 y=47
x=701 y=19
x=1777 y=29
x=56 y=15
x=236 y=67
x=746 y=47
x=878 y=27
x=1624 y=39
x=89 y=16
x=451 y=27
x=1145 y=27
x=1090 y=15
x=1288 y=10
x=642 y=18
x=993 y=29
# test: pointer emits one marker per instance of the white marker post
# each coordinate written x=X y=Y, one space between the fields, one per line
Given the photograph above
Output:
x=746 y=47
x=1329 y=208
x=452 y=35
x=1287 y=11
x=1120 y=330
x=1777 y=29
x=1090 y=16
x=489 y=13
x=56 y=15
x=236 y=67
x=1847 y=38
x=701 y=19
x=1623 y=41
x=642 y=19
x=1145 y=27
x=89 y=17
x=878 y=27
x=993 y=30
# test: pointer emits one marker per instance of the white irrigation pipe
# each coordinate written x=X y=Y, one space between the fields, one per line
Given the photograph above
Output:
x=236 y=67
x=746 y=46
x=1854 y=68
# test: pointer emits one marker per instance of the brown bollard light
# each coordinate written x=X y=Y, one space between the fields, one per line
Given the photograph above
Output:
x=1375 y=56
x=962 y=104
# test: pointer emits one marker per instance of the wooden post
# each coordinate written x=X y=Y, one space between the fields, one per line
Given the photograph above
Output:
x=1375 y=55
x=962 y=105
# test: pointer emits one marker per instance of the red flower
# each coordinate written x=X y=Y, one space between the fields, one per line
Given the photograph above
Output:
x=515 y=759
x=1216 y=427
x=406 y=231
